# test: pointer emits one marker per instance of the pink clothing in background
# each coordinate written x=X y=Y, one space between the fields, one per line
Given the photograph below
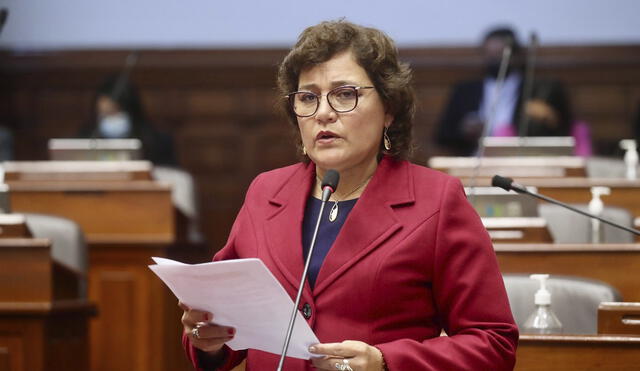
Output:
x=579 y=131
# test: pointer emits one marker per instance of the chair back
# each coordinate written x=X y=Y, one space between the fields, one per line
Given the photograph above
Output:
x=567 y=226
x=574 y=300
x=68 y=244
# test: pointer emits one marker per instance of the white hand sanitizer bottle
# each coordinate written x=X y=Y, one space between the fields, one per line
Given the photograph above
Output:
x=630 y=157
x=542 y=320
x=596 y=207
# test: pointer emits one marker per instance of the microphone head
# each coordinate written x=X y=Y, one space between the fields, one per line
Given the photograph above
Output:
x=502 y=182
x=331 y=179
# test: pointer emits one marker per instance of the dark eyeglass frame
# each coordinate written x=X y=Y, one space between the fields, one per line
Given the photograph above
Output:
x=292 y=95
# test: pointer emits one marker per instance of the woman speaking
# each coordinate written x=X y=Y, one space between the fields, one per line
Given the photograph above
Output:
x=401 y=258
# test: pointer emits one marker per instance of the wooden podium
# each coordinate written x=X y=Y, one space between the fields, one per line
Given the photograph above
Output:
x=127 y=218
x=43 y=324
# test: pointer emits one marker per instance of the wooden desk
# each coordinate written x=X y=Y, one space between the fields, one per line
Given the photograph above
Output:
x=624 y=193
x=13 y=226
x=512 y=166
x=616 y=264
x=28 y=274
x=619 y=318
x=108 y=212
x=517 y=230
x=46 y=336
x=579 y=353
x=43 y=325
x=126 y=222
x=91 y=171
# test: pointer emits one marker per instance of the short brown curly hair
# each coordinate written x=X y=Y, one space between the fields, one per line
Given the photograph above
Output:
x=376 y=53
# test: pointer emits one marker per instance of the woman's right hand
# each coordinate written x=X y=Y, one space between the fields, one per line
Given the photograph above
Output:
x=203 y=333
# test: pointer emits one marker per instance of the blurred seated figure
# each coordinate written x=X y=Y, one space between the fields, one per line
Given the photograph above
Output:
x=547 y=113
x=119 y=114
x=6 y=144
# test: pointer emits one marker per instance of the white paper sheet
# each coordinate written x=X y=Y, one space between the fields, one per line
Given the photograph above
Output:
x=241 y=293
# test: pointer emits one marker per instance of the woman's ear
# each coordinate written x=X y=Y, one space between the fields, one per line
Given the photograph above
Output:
x=388 y=120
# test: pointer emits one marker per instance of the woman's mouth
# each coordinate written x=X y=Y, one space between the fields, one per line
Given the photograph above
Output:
x=325 y=137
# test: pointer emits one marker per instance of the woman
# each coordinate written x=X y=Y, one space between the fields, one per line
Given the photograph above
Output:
x=411 y=257
x=119 y=114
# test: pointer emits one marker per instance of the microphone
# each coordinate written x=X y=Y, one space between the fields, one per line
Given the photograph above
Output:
x=329 y=185
x=509 y=185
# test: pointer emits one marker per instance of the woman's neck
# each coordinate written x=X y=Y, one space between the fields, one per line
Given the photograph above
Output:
x=352 y=181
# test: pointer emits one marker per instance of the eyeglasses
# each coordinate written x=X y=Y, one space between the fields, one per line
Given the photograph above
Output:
x=341 y=99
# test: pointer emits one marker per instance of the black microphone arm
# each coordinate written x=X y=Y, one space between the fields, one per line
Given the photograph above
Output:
x=508 y=184
x=329 y=185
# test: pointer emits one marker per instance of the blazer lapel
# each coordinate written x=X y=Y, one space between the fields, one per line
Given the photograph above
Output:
x=283 y=226
x=371 y=222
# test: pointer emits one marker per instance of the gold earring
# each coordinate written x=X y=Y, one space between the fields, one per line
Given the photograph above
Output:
x=304 y=150
x=387 y=141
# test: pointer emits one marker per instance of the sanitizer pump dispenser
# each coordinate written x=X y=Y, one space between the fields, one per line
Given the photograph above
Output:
x=630 y=157
x=542 y=320
x=596 y=207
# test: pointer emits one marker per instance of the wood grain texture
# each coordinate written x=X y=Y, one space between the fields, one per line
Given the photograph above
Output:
x=577 y=353
x=140 y=211
x=51 y=338
x=219 y=105
x=621 y=318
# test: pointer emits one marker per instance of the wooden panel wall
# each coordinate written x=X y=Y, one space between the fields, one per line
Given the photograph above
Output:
x=219 y=105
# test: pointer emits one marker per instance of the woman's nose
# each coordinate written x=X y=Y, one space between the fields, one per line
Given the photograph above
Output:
x=325 y=112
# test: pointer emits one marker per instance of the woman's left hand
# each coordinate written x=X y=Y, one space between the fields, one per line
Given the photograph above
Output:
x=359 y=356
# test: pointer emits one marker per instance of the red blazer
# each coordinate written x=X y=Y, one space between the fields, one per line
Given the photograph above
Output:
x=412 y=258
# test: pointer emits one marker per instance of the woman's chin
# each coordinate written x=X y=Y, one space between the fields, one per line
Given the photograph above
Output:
x=327 y=160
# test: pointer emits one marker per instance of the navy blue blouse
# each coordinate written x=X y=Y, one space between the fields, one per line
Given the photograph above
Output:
x=327 y=232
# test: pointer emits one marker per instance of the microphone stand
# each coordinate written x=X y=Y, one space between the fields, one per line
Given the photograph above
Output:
x=502 y=75
x=528 y=87
x=326 y=193
x=499 y=181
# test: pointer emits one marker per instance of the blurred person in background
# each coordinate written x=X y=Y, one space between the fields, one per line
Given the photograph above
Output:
x=547 y=112
x=119 y=113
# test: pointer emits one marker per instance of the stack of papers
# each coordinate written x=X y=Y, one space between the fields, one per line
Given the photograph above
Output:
x=241 y=293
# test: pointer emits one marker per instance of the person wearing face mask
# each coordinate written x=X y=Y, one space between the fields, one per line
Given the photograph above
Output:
x=463 y=119
x=119 y=114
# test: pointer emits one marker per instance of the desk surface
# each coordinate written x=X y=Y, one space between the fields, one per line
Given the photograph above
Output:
x=139 y=212
x=579 y=353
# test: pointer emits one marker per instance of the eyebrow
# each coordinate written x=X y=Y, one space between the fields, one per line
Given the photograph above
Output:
x=334 y=84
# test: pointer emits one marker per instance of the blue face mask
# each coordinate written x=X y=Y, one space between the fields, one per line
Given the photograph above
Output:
x=115 y=126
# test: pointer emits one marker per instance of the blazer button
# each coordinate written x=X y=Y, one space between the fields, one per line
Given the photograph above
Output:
x=306 y=310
